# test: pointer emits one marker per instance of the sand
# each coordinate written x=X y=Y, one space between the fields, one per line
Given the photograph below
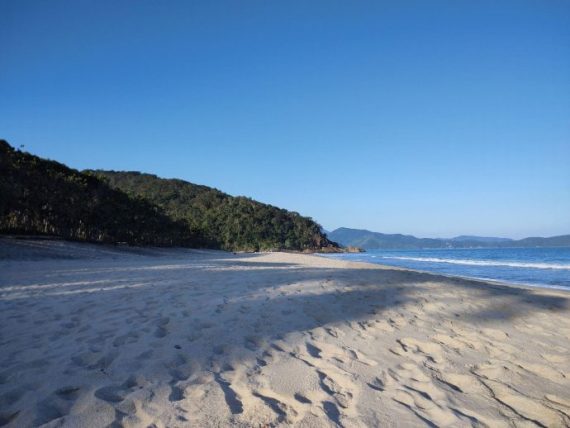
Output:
x=94 y=336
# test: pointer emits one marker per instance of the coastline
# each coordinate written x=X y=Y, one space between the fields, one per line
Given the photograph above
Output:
x=484 y=281
x=475 y=262
x=198 y=337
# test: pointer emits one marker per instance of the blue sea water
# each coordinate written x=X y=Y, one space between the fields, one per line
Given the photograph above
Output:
x=544 y=267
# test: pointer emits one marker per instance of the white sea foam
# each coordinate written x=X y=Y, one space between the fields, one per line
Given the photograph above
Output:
x=556 y=266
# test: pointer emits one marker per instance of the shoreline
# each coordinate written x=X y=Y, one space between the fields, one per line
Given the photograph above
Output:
x=507 y=283
x=478 y=281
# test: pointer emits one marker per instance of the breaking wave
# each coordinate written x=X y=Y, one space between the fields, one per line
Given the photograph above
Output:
x=556 y=266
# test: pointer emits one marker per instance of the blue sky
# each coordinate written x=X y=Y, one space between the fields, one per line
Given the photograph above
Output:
x=429 y=118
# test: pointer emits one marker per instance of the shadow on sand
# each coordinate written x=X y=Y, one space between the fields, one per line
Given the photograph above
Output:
x=167 y=319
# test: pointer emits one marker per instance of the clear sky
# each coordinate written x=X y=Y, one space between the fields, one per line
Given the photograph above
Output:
x=429 y=118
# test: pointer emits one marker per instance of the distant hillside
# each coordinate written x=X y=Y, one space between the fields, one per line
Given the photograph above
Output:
x=554 y=241
x=371 y=240
x=375 y=240
x=40 y=196
x=486 y=239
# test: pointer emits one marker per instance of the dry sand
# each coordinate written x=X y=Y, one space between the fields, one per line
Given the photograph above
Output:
x=92 y=336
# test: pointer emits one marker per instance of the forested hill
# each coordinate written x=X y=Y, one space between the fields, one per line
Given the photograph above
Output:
x=40 y=196
x=221 y=220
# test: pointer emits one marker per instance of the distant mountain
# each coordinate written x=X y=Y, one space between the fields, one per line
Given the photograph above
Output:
x=485 y=239
x=554 y=241
x=371 y=240
x=40 y=196
x=375 y=240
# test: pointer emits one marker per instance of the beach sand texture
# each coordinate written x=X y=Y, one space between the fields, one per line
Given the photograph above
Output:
x=95 y=336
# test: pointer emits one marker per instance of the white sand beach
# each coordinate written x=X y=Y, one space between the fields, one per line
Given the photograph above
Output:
x=96 y=336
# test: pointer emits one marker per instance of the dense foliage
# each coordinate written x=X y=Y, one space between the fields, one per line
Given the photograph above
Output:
x=39 y=196
x=221 y=220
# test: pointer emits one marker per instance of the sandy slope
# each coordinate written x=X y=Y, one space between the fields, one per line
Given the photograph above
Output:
x=198 y=338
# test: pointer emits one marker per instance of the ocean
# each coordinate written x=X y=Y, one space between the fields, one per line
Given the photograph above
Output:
x=543 y=267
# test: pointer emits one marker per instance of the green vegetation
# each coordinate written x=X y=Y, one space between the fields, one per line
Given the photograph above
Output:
x=39 y=196
x=221 y=220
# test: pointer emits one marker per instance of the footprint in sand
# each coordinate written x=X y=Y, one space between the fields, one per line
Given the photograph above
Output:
x=130 y=337
x=332 y=412
x=493 y=370
x=449 y=342
x=313 y=350
x=381 y=382
x=111 y=393
x=409 y=386
x=430 y=350
x=181 y=369
x=162 y=327
x=384 y=326
x=192 y=391
x=56 y=405
x=334 y=332
x=194 y=336
x=145 y=355
x=253 y=343
x=301 y=398
x=94 y=360
x=285 y=413
x=116 y=393
x=335 y=388
x=426 y=409
x=359 y=357
x=232 y=398
x=68 y=392
x=222 y=349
